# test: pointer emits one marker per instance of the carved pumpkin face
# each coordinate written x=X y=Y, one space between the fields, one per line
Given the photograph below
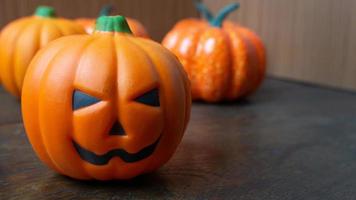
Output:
x=224 y=61
x=105 y=106
x=21 y=39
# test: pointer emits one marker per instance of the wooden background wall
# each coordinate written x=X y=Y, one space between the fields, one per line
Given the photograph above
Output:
x=157 y=15
x=308 y=40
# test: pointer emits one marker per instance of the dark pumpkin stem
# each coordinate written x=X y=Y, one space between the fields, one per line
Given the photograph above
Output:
x=204 y=10
x=45 y=11
x=223 y=13
x=113 y=24
x=106 y=10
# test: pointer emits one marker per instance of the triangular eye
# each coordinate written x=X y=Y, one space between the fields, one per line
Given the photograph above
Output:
x=80 y=100
x=150 y=98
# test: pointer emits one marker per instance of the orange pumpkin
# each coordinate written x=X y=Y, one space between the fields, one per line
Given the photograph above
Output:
x=107 y=105
x=224 y=61
x=136 y=27
x=21 y=39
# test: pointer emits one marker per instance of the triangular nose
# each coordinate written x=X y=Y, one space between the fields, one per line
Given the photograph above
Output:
x=117 y=129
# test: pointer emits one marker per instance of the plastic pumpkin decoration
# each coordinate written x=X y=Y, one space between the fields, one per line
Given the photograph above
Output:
x=107 y=105
x=224 y=61
x=136 y=27
x=21 y=39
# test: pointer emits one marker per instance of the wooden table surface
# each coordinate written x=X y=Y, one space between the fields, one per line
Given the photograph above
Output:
x=288 y=141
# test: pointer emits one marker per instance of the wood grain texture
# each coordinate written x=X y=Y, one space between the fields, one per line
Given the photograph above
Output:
x=278 y=145
x=308 y=40
x=157 y=15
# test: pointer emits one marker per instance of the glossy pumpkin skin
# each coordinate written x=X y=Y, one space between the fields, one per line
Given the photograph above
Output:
x=136 y=27
x=223 y=63
x=21 y=39
x=117 y=69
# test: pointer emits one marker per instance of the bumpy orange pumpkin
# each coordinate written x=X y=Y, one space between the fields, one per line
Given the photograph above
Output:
x=136 y=27
x=107 y=105
x=224 y=61
x=21 y=39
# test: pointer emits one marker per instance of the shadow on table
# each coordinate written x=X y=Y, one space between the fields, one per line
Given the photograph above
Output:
x=140 y=181
x=145 y=186
x=240 y=102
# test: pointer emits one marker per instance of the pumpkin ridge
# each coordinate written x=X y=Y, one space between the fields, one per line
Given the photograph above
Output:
x=41 y=142
x=12 y=58
x=116 y=61
x=196 y=92
x=260 y=52
x=133 y=42
x=218 y=85
x=42 y=93
x=228 y=42
x=231 y=65
x=41 y=34
x=182 y=30
x=91 y=42
x=186 y=83
x=185 y=79
x=7 y=82
x=239 y=60
x=253 y=63
x=153 y=55
x=49 y=65
x=232 y=91
x=196 y=35
x=19 y=68
x=188 y=98
x=146 y=54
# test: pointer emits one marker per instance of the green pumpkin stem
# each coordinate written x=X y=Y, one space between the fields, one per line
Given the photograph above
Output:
x=45 y=11
x=223 y=13
x=106 y=10
x=112 y=24
x=204 y=10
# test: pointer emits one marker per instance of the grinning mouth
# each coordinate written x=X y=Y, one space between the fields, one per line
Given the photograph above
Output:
x=124 y=155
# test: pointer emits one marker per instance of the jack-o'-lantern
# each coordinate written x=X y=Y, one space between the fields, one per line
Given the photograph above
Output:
x=107 y=105
x=136 y=27
x=224 y=61
x=20 y=40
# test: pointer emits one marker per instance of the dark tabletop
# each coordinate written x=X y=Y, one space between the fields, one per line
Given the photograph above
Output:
x=288 y=141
